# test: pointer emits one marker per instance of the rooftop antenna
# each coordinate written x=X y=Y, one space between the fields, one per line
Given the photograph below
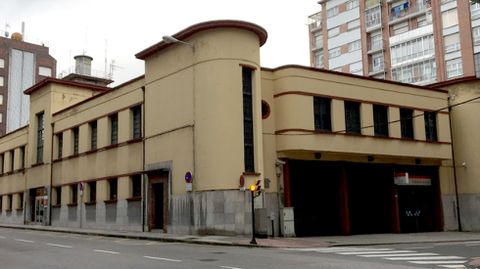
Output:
x=113 y=66
x=106 y=74
x=23 y=30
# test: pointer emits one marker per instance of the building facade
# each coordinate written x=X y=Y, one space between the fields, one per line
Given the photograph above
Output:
x=411 y=41
x=334 y=152
x=22 y=64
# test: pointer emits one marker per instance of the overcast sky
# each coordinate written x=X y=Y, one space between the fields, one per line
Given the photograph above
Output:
x=71 y=27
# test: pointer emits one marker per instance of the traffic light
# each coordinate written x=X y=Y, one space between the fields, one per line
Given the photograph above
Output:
x=256 y=188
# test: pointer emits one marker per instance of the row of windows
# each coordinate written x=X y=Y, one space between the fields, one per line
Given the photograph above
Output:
x=323 y=118
x=412 y=49
x=9 y=203
x=11 y=158
x=91 y=191
x=418 y=72
x=136 y=121
x=348 y=6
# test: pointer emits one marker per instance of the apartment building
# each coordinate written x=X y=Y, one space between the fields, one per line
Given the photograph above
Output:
x=175 y=149
x=411 y=41
x=22 y=64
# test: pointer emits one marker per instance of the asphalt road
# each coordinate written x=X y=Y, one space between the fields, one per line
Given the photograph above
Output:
x=27 y=249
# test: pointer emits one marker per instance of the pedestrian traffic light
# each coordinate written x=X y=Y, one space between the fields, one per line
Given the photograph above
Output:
x=256 y=188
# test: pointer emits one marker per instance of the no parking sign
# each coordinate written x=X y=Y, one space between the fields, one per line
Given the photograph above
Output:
x=188 y=181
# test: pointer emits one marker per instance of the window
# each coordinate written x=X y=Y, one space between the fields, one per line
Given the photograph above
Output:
x=12 y=160
x=376 y=41
x=1 y=81
x=137 y=122
x=332 y=11
x=318 y=40
x=74 y=191
x=9 y=201
x=60 y=145
x=44 y=71
x=449 y=18
x=477 y=64
x=58 y=192
x=40 y=136
x=75 y=132
x=476 y=36
x=322 y=114
x=248 y=120
x=406 y=123
x=430 y=126
x=377 y=62
x=93 y=135
x=418 y=72
x=352 y=4
x=423 y=46
x=454 y=68
x=333 y=32
x=352 y=117
x=113 y=129
x=399 y=28
x=2 y=163
x=1 y=204
x=355 y=45
x=22 y=157
x=334 y=53
x=319 y=58
x=92 y=191
x=112 y=189
x=373 y=17
x=20 y=201
x=136 y=185
x=2 y=63
x=399 y=9
x=380 y=120
x=452 y=43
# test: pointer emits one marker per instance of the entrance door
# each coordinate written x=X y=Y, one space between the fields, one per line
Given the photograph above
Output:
x=39 y=209
x=416 y=209
x=158 y=201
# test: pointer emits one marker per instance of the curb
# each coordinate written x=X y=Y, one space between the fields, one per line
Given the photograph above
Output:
x=138 y=237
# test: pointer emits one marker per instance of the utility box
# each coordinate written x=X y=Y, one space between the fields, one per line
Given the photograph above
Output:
x=287 y=222
x=261 y=223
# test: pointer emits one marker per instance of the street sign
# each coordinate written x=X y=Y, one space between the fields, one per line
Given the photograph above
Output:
x=188 y=177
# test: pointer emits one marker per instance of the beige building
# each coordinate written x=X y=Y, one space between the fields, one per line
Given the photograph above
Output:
x=349 y=154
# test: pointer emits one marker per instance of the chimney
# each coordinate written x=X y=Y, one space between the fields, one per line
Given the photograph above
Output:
x=83 y=65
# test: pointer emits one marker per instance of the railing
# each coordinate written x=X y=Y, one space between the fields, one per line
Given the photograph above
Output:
x=315 y=21
x=405 y=9
x=93 y=73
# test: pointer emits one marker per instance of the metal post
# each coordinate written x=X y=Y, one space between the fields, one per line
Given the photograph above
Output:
x=253 y=242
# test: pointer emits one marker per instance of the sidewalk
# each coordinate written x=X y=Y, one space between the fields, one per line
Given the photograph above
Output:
x=278 y=242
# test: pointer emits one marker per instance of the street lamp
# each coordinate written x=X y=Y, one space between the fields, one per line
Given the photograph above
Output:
x=172 y=40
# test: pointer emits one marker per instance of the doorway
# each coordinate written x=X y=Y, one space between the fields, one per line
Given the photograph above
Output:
x=158 y=201
x=39 y=203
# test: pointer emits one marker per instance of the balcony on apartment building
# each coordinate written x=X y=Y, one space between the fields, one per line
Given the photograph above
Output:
x=315 y=22
x=406 y=10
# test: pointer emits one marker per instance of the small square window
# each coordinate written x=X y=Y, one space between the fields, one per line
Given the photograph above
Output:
x=44 y=71
x=1 y=81
x=2 y=63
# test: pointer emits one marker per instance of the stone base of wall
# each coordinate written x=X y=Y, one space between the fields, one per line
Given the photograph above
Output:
x=449 y=204
x=469 y=208
x=12 y=217
x=120 y=216
x=225 y=212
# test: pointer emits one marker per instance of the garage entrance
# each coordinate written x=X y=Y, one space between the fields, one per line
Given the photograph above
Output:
x=341 y=198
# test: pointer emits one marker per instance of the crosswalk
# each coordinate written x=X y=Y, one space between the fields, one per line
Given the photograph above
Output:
x=435 y=260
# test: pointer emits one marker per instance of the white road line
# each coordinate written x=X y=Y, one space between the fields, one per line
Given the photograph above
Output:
x=228 y=267
x=23 y=240
x=375 y=252
x=2 y=237
x=340 y=249
x=58 y=245
x=439 y=262
x=397 y=255
x=106 y=251
x=161 y=259
x=453 y=266
x=424 y=258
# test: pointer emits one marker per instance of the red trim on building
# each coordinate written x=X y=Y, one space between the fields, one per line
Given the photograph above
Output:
x=67 y=83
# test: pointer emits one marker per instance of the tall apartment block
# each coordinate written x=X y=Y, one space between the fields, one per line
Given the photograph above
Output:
x=411 y=41
x=22 y=65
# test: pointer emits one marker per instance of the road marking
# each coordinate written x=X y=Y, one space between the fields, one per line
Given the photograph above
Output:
x=340 y=249
x=424 y=258
x=2 y=237
x=23 y=240
x=228 y=267
x=106 y=251
x=439 y=262
x=453 y=266
x=397 y=255
x=58 y=245
x=375 y=252
x=162 y=259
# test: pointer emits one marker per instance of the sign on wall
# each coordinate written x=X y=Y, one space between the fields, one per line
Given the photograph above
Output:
x=405 y=179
